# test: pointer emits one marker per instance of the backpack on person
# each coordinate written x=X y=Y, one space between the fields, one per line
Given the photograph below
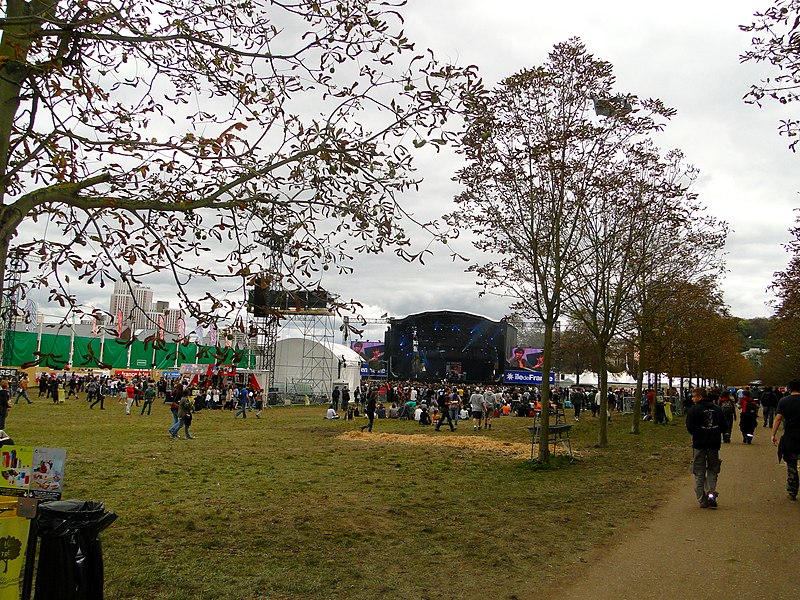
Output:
x=728 y=408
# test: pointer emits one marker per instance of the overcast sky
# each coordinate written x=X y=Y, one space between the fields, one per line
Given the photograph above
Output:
x=685 y=53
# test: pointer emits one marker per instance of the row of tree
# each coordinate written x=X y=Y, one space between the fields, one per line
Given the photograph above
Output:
x=776 y=43
x=782 y=362
x=578 y=213
x=704 y=345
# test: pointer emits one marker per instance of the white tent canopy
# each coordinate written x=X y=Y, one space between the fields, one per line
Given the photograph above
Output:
x=306 y=366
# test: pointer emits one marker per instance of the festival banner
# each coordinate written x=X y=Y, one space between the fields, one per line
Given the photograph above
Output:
x=32 y=316
x=526 y=377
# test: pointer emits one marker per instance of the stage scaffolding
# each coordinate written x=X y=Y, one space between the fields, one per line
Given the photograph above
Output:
x=317 y=330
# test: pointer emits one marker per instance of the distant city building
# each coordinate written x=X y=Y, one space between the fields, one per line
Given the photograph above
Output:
x=139 y=311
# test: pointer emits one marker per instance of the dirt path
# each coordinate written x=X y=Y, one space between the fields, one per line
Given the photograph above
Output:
x=747 y=548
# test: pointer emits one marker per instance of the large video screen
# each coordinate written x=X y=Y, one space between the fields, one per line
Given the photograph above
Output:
x=525 y=359
x=373 y=359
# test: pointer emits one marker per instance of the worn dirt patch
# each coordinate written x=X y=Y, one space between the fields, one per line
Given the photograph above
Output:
x=473 y=443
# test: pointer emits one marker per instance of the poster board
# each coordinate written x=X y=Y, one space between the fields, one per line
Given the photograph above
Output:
x=32 y=472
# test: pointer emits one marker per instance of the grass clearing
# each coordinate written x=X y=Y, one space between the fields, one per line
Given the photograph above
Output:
x=293 y=506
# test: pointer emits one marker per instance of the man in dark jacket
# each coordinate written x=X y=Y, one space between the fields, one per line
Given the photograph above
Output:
x=704 y=421
x=788 y=413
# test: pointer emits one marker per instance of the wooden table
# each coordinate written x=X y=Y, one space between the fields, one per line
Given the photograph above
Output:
x=558 y=435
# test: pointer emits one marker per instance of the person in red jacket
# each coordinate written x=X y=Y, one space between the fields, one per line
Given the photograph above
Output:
x=748 y=417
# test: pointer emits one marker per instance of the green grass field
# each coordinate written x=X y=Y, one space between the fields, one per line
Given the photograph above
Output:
x=287 y=507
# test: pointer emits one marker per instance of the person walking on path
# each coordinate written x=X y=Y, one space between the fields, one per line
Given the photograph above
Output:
x=769 y=402
x=185 y=415
x=22 y=390
x=5 y=403
x=243 y=399
x=149 y=397
x=748 y=417
x=476 y=407
x=174 y=407
x=372 y=400
x=705 y=422
x=788 y=413
x=100 y=394
x=446 y=411
x=729 y=411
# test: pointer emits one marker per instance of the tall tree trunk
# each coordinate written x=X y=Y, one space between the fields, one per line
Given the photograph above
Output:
x=637 y=401
x=544 y=422
x=602 y=436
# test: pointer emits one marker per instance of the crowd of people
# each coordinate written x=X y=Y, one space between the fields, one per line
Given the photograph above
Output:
x=710 y=421
x=710 y=415
x=447 y=404
x=140 y=393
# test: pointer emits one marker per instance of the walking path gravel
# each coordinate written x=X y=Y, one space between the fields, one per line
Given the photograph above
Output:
x=747 y=548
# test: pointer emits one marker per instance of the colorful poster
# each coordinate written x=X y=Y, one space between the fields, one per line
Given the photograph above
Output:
x=15 y=470
x=32 y=472
x=47 y=477
x=13 y=543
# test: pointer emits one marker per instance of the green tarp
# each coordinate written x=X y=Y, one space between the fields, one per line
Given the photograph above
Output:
x=91 y=352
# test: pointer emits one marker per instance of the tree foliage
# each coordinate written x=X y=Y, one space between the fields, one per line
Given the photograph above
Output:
x=203 y=139
x=776 y=41
x=782 y=362
x=544 y=168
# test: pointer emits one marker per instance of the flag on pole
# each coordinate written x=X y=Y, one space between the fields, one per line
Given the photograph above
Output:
x=198 y=331
x=94 y=321
x=119 y=323
x=32 y=315
x=181 y=327
x=161 y=327
x=212 y=335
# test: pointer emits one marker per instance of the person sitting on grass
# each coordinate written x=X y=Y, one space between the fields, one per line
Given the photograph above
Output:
x=331 y=414
x=424 y=416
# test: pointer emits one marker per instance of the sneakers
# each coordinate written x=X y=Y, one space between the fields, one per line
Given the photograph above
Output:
x=704 y=502
x=792 y=497
x=712 y=499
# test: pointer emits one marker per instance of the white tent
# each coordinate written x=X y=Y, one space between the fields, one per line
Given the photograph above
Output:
x=307 y=367
x=589 y=378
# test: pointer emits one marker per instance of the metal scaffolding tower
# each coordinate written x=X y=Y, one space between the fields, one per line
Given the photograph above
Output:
x=317 y=330
x=8 y=309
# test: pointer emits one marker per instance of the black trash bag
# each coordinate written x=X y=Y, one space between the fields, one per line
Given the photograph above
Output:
x=70 y=563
